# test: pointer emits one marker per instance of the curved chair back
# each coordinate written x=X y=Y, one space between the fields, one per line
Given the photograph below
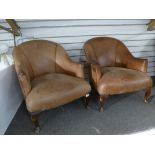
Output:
x=106 y=51
x=39 y=57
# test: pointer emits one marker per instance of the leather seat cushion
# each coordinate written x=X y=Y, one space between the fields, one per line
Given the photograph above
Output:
x=53 y=90
x=117 y=80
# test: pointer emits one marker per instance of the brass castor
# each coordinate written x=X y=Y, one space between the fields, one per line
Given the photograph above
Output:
x=146 y=101
x=37 y=130
x=101 y=109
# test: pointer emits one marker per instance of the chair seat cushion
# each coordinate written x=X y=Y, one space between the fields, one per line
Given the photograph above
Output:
x=117 y=80
x=52 y=90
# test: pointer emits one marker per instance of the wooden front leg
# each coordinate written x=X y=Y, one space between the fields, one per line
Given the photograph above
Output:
x=147 y=95
x=34 y=119
x=102 y=99
x=86 y=100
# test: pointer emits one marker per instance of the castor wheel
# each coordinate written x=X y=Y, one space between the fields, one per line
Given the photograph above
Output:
x=101 y=109
x=37 y=130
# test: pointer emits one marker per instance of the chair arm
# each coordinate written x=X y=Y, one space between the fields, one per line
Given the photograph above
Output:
x=137 y=64
x=75 y=68
x=24 y=83
x=96 y=73
x=64 y=64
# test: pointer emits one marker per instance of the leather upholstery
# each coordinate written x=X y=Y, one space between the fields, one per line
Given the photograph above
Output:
x=48 y=77
x=119 y=80
x=53 y=90
x=113 y=68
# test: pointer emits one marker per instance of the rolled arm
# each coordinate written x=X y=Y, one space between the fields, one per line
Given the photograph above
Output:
x=24 y=83
x=22 y=72
x=66 y=64
x=75 y=68
x=138 y=64
x=96 y=73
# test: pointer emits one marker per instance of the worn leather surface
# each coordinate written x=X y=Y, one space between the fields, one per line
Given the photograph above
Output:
x=114 y=69
x=96 y=73
x=38 y=58
x=116 y=80
x=53 y=90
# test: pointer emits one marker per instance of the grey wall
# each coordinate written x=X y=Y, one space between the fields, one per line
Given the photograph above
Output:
x=72 y=34
x=10 y=97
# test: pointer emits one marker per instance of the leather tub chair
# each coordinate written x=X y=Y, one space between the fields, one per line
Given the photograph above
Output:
x=47 y=76
x=114 y=70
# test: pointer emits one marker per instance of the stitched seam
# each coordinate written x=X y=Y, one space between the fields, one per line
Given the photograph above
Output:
x=94 y=52
x=116 y=53
x=28 y=63
x=56 y=56
x=96 y=61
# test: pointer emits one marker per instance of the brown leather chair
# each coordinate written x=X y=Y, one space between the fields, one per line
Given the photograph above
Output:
x=114 y=70
x=47 y=76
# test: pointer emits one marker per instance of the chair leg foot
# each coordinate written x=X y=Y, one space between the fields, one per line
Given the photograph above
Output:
x=147 y=95
x=102 y=99
x=34 y=119
x=101 y=109
x=86 y=101
x=37 y=130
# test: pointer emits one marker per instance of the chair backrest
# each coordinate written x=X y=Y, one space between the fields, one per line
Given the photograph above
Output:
x=106 y=51
x=39 y=57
